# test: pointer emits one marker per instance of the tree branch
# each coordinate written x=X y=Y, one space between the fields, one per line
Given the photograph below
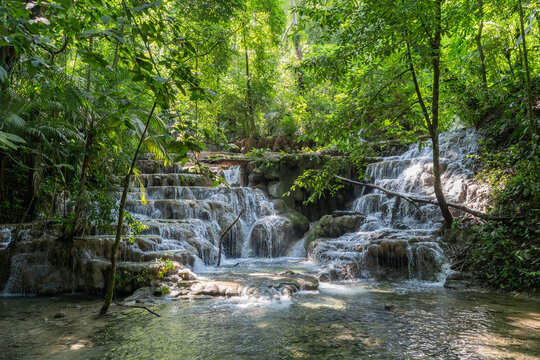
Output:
x=385 y=86
x=412 y=199
x=138 y=307
x=225 y=232
x=417 y=89
x=220 y=41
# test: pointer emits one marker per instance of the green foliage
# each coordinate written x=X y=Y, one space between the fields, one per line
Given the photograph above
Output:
x=134 y=227
x=257 y=152
x=289 y=126
x=506 y=254
x=165 y=265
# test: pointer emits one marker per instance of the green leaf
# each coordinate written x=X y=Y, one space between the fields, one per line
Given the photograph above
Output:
x=8 y=140
x=4 y=76
x=90 y=33
x=160 y=80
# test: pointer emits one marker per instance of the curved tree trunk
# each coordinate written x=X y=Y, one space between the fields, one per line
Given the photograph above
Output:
x=433 y=121
x=112 y=272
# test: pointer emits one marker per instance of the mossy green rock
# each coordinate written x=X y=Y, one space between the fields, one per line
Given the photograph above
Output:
x=333 y=226
x=299 y=222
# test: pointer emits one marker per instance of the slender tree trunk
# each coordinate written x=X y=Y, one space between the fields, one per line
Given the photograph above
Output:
x=436 y=47
x=478 y=39
x=298 y=51
x=508 y=56
x=251 y=117
x=433 y=122
x=196 y=99
x=530 y=113
x=299 y=57
x=122 y=207
x=519 y=60
x=3 y=186
x=78 y=224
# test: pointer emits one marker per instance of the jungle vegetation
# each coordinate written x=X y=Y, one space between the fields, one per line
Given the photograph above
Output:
x=88 y=86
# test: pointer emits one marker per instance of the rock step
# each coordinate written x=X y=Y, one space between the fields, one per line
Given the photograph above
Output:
x=173 y=179
x=184 y=193
x=180 y=209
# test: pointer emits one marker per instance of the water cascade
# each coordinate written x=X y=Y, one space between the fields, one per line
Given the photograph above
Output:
x=380 y=236
x=192 y=218
x=394 y=237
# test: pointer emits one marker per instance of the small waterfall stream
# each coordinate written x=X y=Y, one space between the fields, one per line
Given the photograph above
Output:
x=396 y=237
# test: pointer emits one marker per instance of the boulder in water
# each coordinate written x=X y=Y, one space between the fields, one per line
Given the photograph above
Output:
x=330 y=226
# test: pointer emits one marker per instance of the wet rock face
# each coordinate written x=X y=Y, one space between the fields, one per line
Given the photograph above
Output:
x=183 y=224
x=332 y=227
x=272 y=285
x=45 y=266
x=273 y=236
x=276 y=173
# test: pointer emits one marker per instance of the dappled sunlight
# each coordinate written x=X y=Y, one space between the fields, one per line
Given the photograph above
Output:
x=527 y=320
x=325 y=302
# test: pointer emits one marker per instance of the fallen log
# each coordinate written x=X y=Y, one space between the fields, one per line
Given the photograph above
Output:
x=424 y=200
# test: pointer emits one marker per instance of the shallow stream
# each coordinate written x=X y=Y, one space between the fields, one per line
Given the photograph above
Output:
x=406 y=320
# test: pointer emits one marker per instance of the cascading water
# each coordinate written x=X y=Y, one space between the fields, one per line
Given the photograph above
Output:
x=193 y=218
x=185 y=218
x=396 y=237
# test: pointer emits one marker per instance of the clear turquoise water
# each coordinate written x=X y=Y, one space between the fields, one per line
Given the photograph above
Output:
x=352 y=321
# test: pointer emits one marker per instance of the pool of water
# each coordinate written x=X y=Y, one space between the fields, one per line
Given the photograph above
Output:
x=407 y=320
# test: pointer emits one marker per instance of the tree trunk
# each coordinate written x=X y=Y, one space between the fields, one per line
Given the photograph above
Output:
x=519 y=60
x=29 y=202
x=299 y=57
x=433 y=122
x=530 y=113
x=122 y=207
x=420 y=200
x=436 y=47
x=508 y=56
x=251 y=117
x=298 y=51
x=224 y=233
x=3 y=186
x=478 y=39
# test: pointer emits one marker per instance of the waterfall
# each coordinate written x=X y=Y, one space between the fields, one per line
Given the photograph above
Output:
x=5 y=237
x=192 y=218
x=185 y=218
x=396 y=237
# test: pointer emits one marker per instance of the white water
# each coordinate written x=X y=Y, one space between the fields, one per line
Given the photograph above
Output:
x=193 y=218
x=5 y=237
x=395 y=239
x=398 y=237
